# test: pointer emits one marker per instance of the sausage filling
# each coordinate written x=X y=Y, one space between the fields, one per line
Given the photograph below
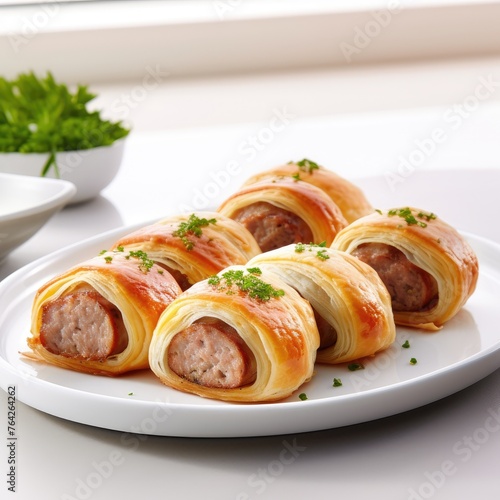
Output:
x=273 y=227
x=327 y=333
x=411 y=288
x=212 y=354
x=83 y=325
x=182 y=279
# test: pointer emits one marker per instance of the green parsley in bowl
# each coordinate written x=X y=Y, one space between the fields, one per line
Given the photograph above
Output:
x=46 y=130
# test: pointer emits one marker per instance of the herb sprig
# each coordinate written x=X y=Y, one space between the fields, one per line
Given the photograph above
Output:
x=304 y=165
x=145 y=263
x=248 y=282
x=307 y=165
x=39 y=115
x=321 y=254
x=353 y=367
x=410 y=219
x=193 y=226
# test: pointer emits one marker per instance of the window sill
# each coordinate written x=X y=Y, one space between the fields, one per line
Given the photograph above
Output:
x=89 y=42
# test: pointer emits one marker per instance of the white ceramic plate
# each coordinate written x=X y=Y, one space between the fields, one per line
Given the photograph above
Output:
x=26 y=204
x=464 y=351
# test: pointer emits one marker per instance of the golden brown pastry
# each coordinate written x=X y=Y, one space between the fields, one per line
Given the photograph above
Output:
x=99 y=316
x=193 y=247
x=347 y=196
x=351 y=304
x=428 y=267
x=280 y=210
x=242 y=336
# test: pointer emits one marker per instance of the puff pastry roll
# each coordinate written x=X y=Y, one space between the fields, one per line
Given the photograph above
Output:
x=193 y=247
x=428 y=267
x=280 y=210
x=348 y=197
x=240 y=336
x=351 y=305
x=99 y=316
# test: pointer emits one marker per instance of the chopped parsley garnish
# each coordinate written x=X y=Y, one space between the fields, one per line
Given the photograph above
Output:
x=406 y=345
x=378 y=211
x=413 y=361
x=296 y=177
x=307 y=165
x=352 y=367
x=427 y=217
x=337 y=382
x=247 y=282
x=254 y=270
x=303 y=396
x=146 y=263
x=193 y=226
x=410 y=219
x=130 y=393
x=321 y=254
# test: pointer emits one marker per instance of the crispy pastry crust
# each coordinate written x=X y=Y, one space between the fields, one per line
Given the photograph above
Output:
x=280 y=332
x=141 y=296
x=306 y=201
x=347 y=196
x=220 y=245
x=347 y=293
x=437 y=248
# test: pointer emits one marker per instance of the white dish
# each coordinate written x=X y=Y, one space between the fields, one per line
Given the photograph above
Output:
x=464 y=351
x=26 y=204
x=90 y=170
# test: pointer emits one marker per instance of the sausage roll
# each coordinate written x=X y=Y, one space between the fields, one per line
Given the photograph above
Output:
x=348 y=197
x=351 y=305
x=428 y=268
x=193 y=247
x=241 y=336
x=281 y=210
x=99 y=316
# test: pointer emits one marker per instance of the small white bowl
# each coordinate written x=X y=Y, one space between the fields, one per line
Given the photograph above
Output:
x=90 y=170
x=26 y=204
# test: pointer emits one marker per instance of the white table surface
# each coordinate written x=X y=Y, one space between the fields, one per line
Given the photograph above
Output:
x=398 y=457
